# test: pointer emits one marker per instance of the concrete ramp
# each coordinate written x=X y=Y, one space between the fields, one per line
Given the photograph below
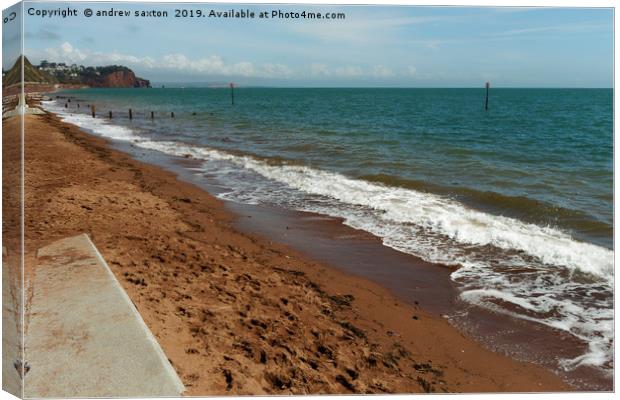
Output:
x=22 y=108
x=84 y=337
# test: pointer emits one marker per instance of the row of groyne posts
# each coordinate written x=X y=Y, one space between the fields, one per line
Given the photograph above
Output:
x=93 y=108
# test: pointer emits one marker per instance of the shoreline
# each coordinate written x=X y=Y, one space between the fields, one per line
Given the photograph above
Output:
x=407 y=277
x=175 y=251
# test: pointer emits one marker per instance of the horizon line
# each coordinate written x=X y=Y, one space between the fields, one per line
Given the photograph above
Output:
x=220 y=85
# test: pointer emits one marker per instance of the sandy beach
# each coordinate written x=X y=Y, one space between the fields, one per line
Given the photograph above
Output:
x=234 y=312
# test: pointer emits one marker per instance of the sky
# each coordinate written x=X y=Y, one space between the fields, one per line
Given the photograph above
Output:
x=381 y=46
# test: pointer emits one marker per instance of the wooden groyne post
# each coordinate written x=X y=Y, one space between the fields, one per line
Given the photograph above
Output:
x=130 y=114
x=152 y=115
x=110 y=113
x=486 y=100
x=92 y=110
x=172 y=114
x=232 y=93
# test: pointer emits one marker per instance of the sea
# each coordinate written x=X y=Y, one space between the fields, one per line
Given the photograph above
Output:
x=518 y=199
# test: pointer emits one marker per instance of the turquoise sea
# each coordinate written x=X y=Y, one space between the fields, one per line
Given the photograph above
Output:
x=519 y=198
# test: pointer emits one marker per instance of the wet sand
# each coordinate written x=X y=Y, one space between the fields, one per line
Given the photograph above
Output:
x=238 y=313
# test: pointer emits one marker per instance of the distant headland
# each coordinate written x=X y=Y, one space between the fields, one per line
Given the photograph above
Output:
x=61 y=74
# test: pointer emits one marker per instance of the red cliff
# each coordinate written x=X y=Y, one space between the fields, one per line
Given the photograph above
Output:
x=118 y=79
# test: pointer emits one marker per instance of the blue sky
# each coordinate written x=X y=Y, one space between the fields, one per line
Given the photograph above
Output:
x=373 y=46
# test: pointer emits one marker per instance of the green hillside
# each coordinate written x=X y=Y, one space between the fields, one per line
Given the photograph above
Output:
x=31 y=74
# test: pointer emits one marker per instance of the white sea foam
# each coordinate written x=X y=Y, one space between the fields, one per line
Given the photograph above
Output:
x=97 y=125
x=433 y=213
x=436 y=229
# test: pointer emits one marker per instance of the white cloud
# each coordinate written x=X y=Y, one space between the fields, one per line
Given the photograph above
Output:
x=276 y=71
x=118 y=58
x=244 y=68
x=411 y=70
x=348 y=71
x=318 y=69
x=67 y=53
x=213 y=65
x=381 y=71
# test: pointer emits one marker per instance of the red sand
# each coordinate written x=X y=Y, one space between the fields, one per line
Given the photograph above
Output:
x=235 y=313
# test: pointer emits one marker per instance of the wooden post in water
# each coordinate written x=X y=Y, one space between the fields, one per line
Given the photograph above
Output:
x=172 y=114
x=66 y=105
x=486 y=100
x=92 y=110
x=110 y=114
x=232 y=93
x=152 y=115
x=130 y=115
x=78 y=105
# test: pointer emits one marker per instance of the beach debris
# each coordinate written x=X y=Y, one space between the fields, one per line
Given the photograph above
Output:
x=427 y=367
x=229 y=378
x=344 y=382
x=278 y=380
x=290 y=271
x=326 y=351
x=353 y=329
x=426 y=386
x=259 y=323
x=137 y=281
x=393 y=357
x=352 y=373
x=344 y=300
x=246 y=347
x=22 y=369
